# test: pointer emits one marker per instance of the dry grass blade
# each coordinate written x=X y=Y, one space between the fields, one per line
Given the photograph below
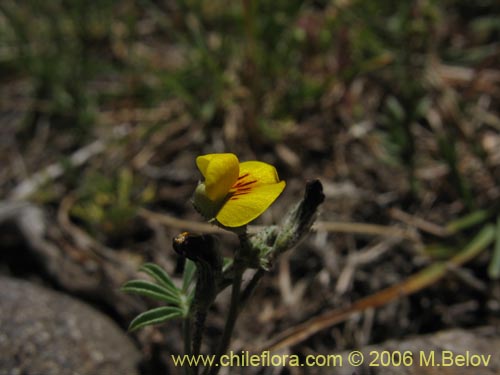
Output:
x=29 y=186
x=369 y=229
x=173 y=222
x=419 y=223
x=327 y=226
x=413 y=284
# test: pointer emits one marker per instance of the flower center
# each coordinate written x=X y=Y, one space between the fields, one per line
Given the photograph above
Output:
x=242 y=186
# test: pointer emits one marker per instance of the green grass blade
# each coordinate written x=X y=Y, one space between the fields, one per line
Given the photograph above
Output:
x=494 y=267
x=148 y=289
x=480 y=242
x=155 y=316
x=468 y=221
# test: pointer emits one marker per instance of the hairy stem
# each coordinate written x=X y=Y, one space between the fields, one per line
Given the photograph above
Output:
x=199 y=325
x=249 y=289
x=186 y=328
x=231 y=316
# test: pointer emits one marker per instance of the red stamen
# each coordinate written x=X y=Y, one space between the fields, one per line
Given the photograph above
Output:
x=243 y=184
x=240 y=193
x=241 y=187
x=243 y=176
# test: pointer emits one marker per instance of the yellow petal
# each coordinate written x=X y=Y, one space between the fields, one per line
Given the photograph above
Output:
x=262 y=172
x=243 y=208
x=220 y=172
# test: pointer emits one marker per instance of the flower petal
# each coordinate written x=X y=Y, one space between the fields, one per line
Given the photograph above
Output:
x=243 y=208
x=262 y=172
x=220 y=172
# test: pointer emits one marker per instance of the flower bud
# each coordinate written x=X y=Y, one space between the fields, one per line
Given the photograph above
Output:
x=206 y=207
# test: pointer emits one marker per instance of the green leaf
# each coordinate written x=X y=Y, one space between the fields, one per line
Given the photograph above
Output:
x=188 y=275
x=125 y=182
x=494 y=267
x=395 y=108
x=155 y=316
x=161 y=277
x=227 y=262
x=148 y=289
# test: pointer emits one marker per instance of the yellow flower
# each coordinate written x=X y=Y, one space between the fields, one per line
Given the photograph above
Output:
x=235 y=193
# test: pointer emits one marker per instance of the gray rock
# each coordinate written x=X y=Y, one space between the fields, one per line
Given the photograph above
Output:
x=46 y=332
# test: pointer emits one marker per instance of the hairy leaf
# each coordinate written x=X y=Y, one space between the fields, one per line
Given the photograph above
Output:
x=155 y=316
x=159 y=274
x=148 y=289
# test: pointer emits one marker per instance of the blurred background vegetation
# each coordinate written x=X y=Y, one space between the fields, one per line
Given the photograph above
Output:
x=394 y=105
x=416 y=81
